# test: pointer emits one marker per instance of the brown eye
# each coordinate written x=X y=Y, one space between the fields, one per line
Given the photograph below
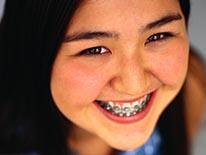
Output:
x=158 y=37
x=95 y=51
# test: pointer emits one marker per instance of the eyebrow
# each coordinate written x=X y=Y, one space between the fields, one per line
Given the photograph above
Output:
x=163 y=21
x=86 y=35
x=90 y=35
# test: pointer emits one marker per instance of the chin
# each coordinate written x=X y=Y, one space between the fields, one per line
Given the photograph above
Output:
x=128 y=146
x=130 y=142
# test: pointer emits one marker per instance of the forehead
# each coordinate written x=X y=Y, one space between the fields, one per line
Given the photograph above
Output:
x=98 y=13
x=125 y=3
x=104 y=8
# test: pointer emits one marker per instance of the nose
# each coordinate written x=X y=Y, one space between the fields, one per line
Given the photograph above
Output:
x=131 y=77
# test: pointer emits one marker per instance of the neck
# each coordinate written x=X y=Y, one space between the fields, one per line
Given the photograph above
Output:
x=85 y=143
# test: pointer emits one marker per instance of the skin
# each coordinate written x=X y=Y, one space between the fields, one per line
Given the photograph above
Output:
x=130 y=67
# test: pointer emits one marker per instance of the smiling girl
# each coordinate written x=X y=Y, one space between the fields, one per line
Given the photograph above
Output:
x=92 y=76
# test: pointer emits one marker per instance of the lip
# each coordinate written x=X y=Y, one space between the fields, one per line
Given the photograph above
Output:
x=135 y=118
x=130 y=100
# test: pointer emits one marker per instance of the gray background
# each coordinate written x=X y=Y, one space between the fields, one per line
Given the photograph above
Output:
x=197 y=25
x=1 y=6
x=197 y=34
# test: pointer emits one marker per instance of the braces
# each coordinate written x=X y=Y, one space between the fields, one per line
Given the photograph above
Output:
x=127 y=109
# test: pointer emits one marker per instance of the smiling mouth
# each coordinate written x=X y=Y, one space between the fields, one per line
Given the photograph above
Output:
x=125 y=109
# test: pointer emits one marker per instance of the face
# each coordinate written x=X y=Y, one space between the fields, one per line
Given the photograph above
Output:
x=120 y=65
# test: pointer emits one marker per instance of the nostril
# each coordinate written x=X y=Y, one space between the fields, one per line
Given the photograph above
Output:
x=130 y=81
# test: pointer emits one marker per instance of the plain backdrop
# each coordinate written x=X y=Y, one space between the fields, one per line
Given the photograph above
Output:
x=197 y=26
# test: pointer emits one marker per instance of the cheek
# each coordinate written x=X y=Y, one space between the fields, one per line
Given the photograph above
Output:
x=75 y=83
x=170 y=66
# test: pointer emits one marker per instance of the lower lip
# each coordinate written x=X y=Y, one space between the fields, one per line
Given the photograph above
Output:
x=137 y=117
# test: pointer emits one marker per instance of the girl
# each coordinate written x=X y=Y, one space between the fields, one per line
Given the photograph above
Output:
x=93 y=77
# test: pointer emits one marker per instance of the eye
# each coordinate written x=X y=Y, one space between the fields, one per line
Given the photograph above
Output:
x=99 y=50
x=159 y=37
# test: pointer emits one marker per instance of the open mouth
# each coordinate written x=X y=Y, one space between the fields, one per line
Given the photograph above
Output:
x=126 y=109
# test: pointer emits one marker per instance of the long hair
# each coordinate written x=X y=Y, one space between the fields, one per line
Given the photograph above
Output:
x=31 y=32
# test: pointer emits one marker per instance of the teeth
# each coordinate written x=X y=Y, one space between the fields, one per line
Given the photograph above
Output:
x=148 y=97
x=134 y=113
x=117 y=109
x=126 y=105
x=121 y=114
x=143 y=103
x=141 y=100
x=136 y=106
x=108 y=107
x=127 y=109
x=111 y=103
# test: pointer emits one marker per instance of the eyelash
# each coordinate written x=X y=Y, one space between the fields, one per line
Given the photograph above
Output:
x=158 y=37
x=100 y=50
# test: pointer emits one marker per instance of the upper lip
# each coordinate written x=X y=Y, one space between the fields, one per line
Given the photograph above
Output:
x=129 y=100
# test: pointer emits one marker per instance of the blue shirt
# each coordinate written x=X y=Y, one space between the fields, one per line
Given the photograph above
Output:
x=151 y=147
